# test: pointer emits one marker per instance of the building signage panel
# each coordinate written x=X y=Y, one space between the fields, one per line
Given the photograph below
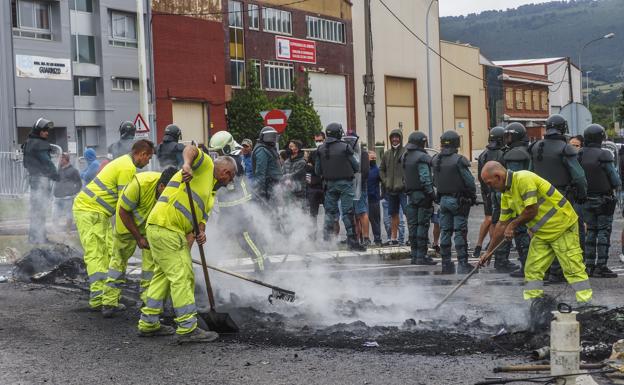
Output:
x=40 y=67
x=299 y=50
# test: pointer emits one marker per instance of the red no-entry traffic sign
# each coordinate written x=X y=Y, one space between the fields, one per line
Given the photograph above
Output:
x=277 y=119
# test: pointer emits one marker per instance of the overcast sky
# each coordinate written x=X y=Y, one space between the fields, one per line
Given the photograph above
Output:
x=463 y=7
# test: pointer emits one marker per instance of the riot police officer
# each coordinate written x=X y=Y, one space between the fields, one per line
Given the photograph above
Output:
x=337 y=165
x=41 y=170
x=456 y=190
x=265 y=162
x=169 y=152
x=557 y=162
x=516 y=157
x=125 y=142
x=493 y=151
x=602 y=179
x=420 y=196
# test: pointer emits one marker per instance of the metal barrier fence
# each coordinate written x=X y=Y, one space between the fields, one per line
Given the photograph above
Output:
x=13 y=175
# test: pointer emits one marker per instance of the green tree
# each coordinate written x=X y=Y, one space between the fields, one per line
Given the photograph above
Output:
x=243 y=111
x=621 y=108
x=303 y=122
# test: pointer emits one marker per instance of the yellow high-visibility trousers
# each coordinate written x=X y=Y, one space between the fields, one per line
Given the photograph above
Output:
x=95 y=233
x=124 y=246
x=173 y=273
x=568 y=251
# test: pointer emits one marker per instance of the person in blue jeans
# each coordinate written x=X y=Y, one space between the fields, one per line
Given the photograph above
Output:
x=387 y=219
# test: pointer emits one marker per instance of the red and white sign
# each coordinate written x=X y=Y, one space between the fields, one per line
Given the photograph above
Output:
x=277 y=119
x=139 y=123
x=287 y=48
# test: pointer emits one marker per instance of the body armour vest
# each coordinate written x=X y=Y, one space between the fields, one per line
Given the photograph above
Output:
x=592 y=159
x=446 y=175
x=167 y=153
x=518 y=154
x=411 y=162
x=335 y=163
x=486 y=156
x=121 y=147
x=547 y=156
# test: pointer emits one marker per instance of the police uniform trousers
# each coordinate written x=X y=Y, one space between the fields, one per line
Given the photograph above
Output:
x=567 y=250
x=339 y=191
x=418 y=220
x=598 y=215
x=124 y=246
x=173 y=273
x=453 y=227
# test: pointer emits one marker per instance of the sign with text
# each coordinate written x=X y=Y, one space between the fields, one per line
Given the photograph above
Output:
x=142 y=129
x=299 y=50
x=40 y=67
x=278 y=119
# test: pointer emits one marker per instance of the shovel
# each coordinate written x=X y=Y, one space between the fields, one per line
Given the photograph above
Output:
x=467 y=277
x=218 y=322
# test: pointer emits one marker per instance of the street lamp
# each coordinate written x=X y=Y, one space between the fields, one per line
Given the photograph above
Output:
x=610 y=35
x=587 y=87
x=429 y=113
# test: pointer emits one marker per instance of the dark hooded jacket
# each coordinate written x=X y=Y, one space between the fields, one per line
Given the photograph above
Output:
x=391 y=170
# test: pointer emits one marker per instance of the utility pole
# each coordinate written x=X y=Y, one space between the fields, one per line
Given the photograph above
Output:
x=369 y=80
x=141 y=49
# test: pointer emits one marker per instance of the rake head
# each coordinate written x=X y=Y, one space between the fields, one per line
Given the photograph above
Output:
x=283 y=295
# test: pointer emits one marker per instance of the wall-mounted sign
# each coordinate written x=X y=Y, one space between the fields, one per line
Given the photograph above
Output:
x=40 y=67
x=287 y=48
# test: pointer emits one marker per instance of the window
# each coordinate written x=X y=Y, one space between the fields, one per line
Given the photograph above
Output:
x=275 y=20
x=257 y=71
x=278 y=76
x=83 y=49
x=81 y=5
x=536 y=100
x=85 y=86
x=254 y=16
x=509 y=100
x=544 y=100
x=124 y=84
x=123 y=30
x=237 y=73
x=527 y=100
x=327 y=30
x=31 y=19
x=235 y=15
x=519 y=100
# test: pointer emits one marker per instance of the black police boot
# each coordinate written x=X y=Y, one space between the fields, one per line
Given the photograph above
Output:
x=463 y=267
x=518 y=273
x=505 y=266
x=448 y=267
x=424 y=261
x=477 y=252
x=354 y=245
x=602 y=271
x=589 y=268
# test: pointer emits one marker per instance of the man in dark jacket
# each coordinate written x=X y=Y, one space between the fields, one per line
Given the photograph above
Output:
x=68 y=185
x=127 y=130
x=315 y=194
x=265 y=161
x=294 y=172
x=391 y=173
x=374 y=197
x=41 y=171
x=169 y=152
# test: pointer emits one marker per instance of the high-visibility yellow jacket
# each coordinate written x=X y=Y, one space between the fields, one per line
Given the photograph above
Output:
x=102 y=193
x=139 y=197
x=554 y=214
x=172 y=210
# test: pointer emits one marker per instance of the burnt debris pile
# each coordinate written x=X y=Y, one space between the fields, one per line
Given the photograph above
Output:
x=56 y=263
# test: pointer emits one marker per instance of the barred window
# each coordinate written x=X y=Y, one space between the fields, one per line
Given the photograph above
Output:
x=278 y=76
x=326 y=30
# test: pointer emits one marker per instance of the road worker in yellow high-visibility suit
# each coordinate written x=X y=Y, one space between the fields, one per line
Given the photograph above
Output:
x=135 y=203
x=93 y=208
x=527 y=199
x=169 y=225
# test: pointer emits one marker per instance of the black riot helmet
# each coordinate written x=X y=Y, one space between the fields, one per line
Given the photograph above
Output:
x=334 y=130
x=416 y=140
x=514 y=132
x=449 y=139
x=594 y=134
x=173 y=131
x=268 y=135
x=42 y=124
x=127 y=130
x=496 y=136
x=556 y=124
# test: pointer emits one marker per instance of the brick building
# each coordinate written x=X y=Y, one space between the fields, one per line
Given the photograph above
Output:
x=285 y=42
x=189 y=77
x=526 y=100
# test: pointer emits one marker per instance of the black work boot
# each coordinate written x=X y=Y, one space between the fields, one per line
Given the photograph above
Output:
x=354 y=245
x=424 y=261
x=463 y=267
x=448 y=267
x=602 y=271
x=477 y=252
x=518 y=273
x=505 y=266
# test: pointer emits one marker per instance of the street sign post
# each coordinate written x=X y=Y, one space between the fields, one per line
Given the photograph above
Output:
x=278 y=119
x=142 y=129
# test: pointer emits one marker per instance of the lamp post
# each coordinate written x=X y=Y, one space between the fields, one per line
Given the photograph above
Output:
x=587 y=86
x=610 y=35
x=429 y=112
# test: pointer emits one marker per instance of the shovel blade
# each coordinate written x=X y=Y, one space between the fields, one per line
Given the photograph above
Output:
x=221 y=323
